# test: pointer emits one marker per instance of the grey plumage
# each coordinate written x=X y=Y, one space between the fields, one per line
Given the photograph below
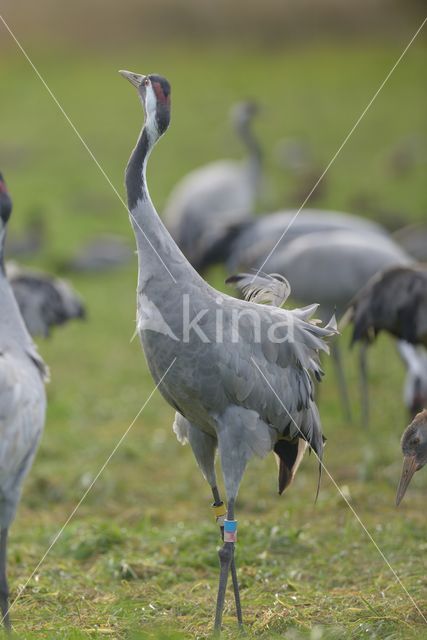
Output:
x=22 y=403
x=413 y=238
x=328 y=265
x=255 y=241
x=44 y=301
x=240 y=388
x=207 y=203
x=395 y=301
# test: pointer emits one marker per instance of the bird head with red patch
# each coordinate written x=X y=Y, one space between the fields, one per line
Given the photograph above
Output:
x=154 y=91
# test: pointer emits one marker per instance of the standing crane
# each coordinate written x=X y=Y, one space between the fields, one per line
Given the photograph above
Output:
x=414 y=449
x=22 y=404
x=208 y=201
x=237 y=373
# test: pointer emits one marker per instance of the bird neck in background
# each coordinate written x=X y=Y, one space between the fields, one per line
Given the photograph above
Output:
x=255 y=155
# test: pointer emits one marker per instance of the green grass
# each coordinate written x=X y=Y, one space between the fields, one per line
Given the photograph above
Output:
x=138 y=560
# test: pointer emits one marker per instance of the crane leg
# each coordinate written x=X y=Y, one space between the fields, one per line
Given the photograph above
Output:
x=342 y=384
x=364 y=390
x=226 y=560
x=218 y=503
x=4 y=589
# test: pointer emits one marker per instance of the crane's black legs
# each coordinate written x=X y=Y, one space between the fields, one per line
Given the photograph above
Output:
x=363 y=381
x=220 y=520
x=227 y=564
x=4 y=589
x=342 y=384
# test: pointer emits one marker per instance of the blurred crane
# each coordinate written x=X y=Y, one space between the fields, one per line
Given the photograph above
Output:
x=44 y=301
x=208 y=201
x=246 y=396
x=414 y=449
x=22 y=404
x=258 y=238
x=395 y=301
x=102 y=253
x=331 y=268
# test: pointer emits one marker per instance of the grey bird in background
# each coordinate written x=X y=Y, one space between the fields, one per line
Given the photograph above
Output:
x=331 y=267
x=44 y=301
x=414 y=449
x=395 y=301
x=208 y=202
x=245 y=393
x=22 y=404
x=257 y=239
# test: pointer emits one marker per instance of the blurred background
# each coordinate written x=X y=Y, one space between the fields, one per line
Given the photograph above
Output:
x=312 y=66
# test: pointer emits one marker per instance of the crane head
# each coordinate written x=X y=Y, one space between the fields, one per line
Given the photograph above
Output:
x=414 y=448
x=154 y=91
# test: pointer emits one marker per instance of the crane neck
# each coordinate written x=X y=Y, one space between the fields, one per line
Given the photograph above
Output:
x=157 y=251
x=255 y=154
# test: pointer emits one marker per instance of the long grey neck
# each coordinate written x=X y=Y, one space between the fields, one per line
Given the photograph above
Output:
x=158 y=255
x=255 y=155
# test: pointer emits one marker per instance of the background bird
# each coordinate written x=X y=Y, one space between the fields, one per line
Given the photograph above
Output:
x=22 y=404
x=244 y=396
x=44 y=301
x=414 y=449
x=395 y=301
x=330 y=266
x=209 y=201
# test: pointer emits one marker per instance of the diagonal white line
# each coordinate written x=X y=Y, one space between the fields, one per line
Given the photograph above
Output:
x=345 y=500
x=74 y=511
x=342 y=145
x=84 y=143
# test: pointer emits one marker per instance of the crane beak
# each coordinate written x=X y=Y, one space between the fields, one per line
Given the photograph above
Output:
x=409 y=467
x=134 y=78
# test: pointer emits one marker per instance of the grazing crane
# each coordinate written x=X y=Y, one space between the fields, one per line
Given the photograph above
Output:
x=414 y=449
x=256 y=240
x=330 y=267
x=207 y=201
x=237 y=373
x=22 y=404
x=395 y=301
x=44 y=301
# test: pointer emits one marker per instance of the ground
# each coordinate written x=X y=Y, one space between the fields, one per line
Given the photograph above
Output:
x=138 y=559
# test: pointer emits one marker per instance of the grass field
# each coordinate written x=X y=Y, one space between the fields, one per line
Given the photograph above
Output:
x=138 y=559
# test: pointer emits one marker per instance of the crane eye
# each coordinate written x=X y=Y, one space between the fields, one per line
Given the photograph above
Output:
x=146 y=82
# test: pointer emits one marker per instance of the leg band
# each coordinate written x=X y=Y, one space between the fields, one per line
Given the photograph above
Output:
x=230 y=530
x=219 y=512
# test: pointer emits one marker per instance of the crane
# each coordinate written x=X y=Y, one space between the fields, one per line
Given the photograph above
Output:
x=237 y=373
x=414 y=449
x=22 y=404
x=209 y=200
x=331 y=266
x=395 y=301
x=257 y=238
